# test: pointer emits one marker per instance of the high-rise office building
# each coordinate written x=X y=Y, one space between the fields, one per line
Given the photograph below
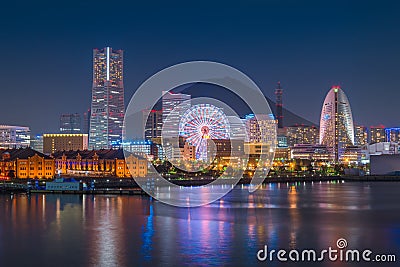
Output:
x=86 y=122
x=360 y=135
x=261 y=128
x=302 y=134
x=336 y=124
x=152 y=124
x=174 y=107
x=70 y=123
x=377 y=134
x=107 y=109
x=14 y=136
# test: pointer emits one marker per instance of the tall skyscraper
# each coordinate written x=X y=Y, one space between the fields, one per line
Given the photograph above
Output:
x=279 y=105
x=152 y=124
x=107 y=109
x=336 y=124
x=173 y=108
x=360 y=135
x=70 y=123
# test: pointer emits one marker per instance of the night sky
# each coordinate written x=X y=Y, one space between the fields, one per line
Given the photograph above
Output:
x=309 y=46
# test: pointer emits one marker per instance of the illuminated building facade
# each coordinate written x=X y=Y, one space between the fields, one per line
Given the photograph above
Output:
x=312 y=151
x=336 y=123
x=100 y=163
x=26 y=163
x=360 y=135
x=14 y=136
x=60 y=142
x=37 y=143
x=188 y=152
x=144 y=148
x=377 y=134
x=107 y=108
x=152 y=124
x=302 y=134
x=70 y=123
x=261 y=128
x=174 y=107
x=282 y=153
x=392 y=135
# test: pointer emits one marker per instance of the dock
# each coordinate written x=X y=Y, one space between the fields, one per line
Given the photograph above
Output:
x=131 y=192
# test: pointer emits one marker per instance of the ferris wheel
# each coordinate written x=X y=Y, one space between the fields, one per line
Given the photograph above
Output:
x=202 y=122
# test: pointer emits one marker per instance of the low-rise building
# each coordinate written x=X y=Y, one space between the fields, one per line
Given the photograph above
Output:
x=26 y=163
x=312 y=151
x=102 y=163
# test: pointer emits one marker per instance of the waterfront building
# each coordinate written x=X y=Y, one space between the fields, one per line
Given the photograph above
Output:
x=60 y=142
x=336 y=123
x=107 y=107
x=100 y=163
x=377 y=134
x=312 y=152
x=351 y=155
x=302 y=134
x=383 y=148
x=70 y=123
x=360 y=135
x=14 y=136
x=61 y=184
x=26 y=163
x=153 y=124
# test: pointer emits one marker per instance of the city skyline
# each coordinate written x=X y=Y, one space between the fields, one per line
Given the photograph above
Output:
x=313 y=47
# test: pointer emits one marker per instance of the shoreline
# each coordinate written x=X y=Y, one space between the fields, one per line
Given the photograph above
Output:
x=128 y=186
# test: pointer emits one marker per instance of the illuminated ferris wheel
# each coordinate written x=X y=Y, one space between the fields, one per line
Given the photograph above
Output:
x=202 y=122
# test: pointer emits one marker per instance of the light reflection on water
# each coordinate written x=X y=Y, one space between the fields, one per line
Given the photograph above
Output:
x=101 y=230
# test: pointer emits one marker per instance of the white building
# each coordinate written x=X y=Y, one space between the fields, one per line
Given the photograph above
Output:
x=14 y=136
x=336 y=123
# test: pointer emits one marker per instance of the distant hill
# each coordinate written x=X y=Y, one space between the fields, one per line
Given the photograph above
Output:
x=201 y=89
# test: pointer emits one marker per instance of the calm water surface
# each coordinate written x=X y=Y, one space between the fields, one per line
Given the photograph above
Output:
x=105 y=230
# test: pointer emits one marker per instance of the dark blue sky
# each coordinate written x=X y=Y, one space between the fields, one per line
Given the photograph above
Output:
x=308 y=45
